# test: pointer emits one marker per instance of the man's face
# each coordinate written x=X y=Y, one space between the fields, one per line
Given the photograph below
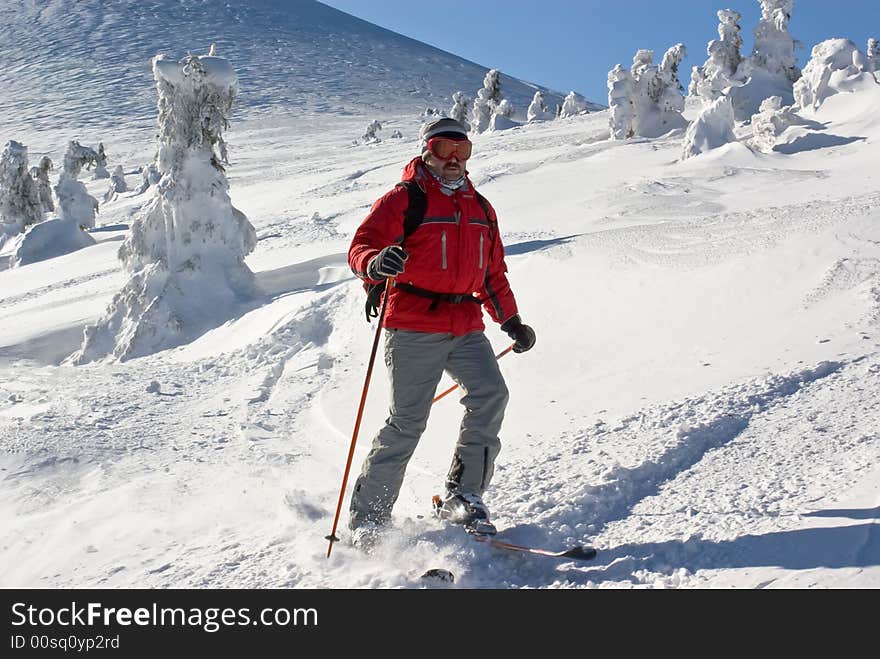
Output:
x=447 y=158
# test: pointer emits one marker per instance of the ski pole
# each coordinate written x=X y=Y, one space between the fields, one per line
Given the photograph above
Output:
x=357 y=424
x=455 y=386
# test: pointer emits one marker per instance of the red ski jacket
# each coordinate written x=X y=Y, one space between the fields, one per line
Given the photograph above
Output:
x=455 y=250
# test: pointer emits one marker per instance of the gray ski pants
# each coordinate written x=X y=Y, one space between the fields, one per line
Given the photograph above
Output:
x=416 y=362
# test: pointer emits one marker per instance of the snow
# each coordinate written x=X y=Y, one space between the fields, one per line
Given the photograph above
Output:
x=712 y=128
x=702 y=404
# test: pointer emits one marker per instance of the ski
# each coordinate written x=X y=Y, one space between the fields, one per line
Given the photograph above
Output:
x=488 y=537
x=576 y=552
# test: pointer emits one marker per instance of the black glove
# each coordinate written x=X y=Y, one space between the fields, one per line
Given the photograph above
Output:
x=387 y=263
x=522 y=334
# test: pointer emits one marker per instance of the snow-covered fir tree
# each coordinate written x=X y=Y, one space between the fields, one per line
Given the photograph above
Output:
x=490 y=110
x=774 y=46
x=771 y=69
x=719 y=71
x=150 y=176
x=832 y=68
x=503 y=117
x=117 y=184
x=186 y=249
x=712 y=128
x=75 y=204
x=492 y=84
x=873 y=52
x=621 y=112
x=504 y=109
x=646 y=79
x=572 y=105
x=770 y=122
x=655 y=95
x=671 y=97
x=459 y=111
x=75 y=214
x=40 y=174
x=481 y=114
x=538 y=110
x=370 y=136
x=101 y=163
x=20 y=204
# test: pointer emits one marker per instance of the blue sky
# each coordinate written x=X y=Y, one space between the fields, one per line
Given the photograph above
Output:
x=572 y=44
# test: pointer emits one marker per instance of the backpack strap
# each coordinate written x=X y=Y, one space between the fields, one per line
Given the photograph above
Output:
x=415 y=210
x=412 y=220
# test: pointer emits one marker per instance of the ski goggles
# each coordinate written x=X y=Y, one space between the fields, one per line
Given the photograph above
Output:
x=444 y=148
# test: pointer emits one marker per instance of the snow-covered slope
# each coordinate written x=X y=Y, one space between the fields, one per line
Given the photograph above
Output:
x=702 y=404
x=86 y=64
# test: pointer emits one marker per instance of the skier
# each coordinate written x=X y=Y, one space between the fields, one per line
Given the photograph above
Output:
x=442 y=273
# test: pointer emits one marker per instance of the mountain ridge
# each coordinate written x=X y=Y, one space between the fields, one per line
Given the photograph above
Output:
x=88 y=64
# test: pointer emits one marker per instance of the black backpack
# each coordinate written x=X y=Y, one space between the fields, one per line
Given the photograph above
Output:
x=412 y=220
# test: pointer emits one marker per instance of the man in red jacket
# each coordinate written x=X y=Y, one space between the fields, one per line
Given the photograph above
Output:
x=444 y=273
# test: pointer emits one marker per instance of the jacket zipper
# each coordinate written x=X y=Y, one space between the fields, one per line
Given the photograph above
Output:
x=443 y=247
x=481 y=251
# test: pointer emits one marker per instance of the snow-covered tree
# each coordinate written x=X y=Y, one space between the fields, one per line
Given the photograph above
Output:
x=770 y=122
x=646 y=79
x=503 y=117
x=101 y=163
x=117 y=184
x=492 y=84
x=621 y=110
x=431 y=114
x=873 y=53
x=76 y=210
x=491 y=111
x=459 y=109
x=772 y=67
x=538 y=109
x=185 y=252
x=504 y=109
x=654 y=93
x=832 y=68
x=774 y=46
x=671 y=99
x=40 y=174
x=75 y=204
x=719 y=71
x=572 y=105
x=20 y=204
x=712 y=128
x=481 y=114
x=149 y=176
x=369 y=136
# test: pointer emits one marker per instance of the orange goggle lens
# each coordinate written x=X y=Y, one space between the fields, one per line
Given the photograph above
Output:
x=444 y=148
